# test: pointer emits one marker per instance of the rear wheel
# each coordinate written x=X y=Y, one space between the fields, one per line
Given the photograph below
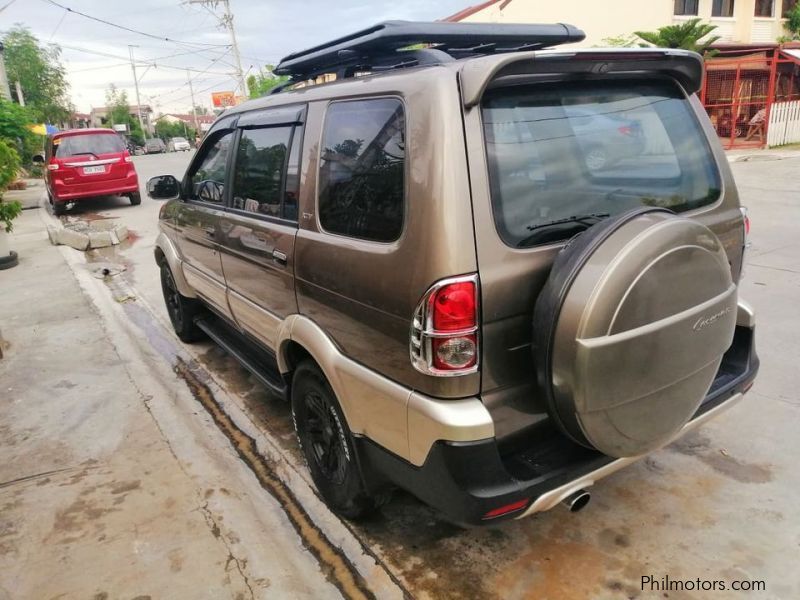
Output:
x=59 y=208
x=136 y=198
x=181 y=310
x=327 y=445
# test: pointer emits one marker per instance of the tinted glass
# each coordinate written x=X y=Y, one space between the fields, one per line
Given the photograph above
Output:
x=292 y=192
x=722 y=8
x=207 y=183
x=764 y=8
x=87 y=144
x=575 y=149
x=788 y=5
x=361 y=169
x=258 y=177
x=686 y=7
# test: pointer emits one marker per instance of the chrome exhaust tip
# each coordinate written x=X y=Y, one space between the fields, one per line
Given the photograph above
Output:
x=577 y=500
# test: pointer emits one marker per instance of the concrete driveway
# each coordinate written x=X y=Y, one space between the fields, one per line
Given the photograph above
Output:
x=718 y=505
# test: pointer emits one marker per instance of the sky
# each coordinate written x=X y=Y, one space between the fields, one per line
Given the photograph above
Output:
x=96 y=55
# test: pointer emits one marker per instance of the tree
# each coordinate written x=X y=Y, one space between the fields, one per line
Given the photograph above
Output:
x=200 y=110
x=261 y=83
x=619 y=41
x=687 y=35
x=119 y=113
x=14 y=120
x=41 y=75
x=793 y=22
x=166 y=130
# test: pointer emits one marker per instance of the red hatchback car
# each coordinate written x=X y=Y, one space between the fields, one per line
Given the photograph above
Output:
x=85 y=163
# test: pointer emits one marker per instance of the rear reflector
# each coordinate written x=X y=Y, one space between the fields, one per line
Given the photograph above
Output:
x=504 y=510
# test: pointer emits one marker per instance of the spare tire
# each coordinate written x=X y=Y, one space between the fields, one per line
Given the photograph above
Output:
x=630 y=328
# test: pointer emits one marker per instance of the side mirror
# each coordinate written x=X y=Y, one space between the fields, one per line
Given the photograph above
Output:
x=38 y=159
x=163 y=187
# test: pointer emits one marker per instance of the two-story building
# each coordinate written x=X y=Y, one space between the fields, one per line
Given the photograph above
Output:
x=737 y=21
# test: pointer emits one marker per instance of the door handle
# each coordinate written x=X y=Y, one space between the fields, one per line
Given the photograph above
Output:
x=279 y=257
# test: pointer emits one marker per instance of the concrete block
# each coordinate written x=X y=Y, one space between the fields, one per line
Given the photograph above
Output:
x=52 y=233
x=100 y=239
x=121 y=232
x=74 y=239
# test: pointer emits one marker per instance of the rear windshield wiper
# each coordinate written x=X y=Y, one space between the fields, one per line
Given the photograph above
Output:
x=587 y=220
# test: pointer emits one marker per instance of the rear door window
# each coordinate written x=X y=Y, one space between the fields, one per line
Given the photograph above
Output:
x=87 y=144
x=562 y=156
x=361 y=174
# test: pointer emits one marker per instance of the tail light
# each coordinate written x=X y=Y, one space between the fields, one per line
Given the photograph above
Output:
x=444 y=332
x=52 y=167
x=746 y=236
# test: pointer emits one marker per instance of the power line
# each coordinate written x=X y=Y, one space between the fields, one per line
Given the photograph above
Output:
x=136 y=31
x=148 y=62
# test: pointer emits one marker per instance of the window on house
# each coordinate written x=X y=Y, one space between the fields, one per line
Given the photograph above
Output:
x=722 y=8
x=764 y=8
x=361 y=173
x=686 y=7
x=788 y=5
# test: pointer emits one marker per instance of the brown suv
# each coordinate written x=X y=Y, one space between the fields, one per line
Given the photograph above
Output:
x=483 y=271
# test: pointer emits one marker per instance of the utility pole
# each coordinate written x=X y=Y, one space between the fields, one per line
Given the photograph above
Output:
x=194 y=109
x=136 y=87
x=227 y=21
x=20 y=96
x=5 y=91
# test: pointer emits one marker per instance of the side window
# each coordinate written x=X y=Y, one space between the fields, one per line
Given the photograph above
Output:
x=292 y=192
x=258 y=174
x=361 y=173
x=207 y=183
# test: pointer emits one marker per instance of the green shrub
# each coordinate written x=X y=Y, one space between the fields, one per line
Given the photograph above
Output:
x=9 y=164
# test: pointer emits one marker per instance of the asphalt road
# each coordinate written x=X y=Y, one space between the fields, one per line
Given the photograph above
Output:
x=717 y=505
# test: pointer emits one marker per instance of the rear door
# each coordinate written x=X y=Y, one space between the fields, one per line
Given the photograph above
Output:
x=89 y=158
x=259 y=228
x=199 y=219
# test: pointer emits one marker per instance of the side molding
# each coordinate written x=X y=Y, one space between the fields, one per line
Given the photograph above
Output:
x=165 y=246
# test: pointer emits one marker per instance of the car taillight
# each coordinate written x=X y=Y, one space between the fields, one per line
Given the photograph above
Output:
x=746 y=236
x=444 y=331
x=52 y=167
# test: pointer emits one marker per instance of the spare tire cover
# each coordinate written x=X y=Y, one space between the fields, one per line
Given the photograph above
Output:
x=630 y=329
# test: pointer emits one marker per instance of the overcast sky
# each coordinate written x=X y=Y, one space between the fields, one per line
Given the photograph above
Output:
x=266 y=30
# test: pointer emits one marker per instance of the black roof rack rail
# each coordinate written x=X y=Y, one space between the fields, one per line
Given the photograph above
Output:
x=387 y=46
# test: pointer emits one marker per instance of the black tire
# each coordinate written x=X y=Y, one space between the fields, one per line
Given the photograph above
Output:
x=181 y=310
x=59 y=208
x=328 y=447
x=136 y=198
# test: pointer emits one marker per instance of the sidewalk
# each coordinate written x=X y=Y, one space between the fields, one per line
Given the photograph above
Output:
x=30 y=196
x=95 y=499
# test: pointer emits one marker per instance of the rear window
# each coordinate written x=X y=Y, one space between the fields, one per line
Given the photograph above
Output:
x=87 y=144
x=563 y=156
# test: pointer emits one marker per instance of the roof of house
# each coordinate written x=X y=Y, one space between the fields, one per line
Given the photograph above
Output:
x=133 y=108
x=471 y=10
x=190 y=118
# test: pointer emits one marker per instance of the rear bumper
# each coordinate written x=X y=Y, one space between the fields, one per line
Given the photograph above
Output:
x=467 y=480
x=63 y=192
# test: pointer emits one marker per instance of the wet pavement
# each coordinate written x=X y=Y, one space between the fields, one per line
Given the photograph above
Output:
x=716 y=505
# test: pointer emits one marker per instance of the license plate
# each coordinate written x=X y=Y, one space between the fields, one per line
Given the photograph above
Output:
x=93 y=170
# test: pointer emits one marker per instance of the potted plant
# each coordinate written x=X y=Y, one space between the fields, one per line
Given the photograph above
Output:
x=9 y=164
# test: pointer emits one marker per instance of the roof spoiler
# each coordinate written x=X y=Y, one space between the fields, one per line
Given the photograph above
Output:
x=682 y=65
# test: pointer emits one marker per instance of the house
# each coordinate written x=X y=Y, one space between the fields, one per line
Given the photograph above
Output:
x=737 y=21
x=99 y=117
x=79 y=120
x=204 y=121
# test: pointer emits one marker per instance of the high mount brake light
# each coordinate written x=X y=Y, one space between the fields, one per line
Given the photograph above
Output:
x=444 y=331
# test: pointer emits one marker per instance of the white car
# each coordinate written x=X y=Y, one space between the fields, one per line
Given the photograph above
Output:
x=178 y=143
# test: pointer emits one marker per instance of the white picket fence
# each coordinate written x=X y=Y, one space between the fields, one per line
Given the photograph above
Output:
x=784 y=123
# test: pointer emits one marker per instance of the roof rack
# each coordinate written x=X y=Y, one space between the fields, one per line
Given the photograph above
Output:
x=387 y=46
